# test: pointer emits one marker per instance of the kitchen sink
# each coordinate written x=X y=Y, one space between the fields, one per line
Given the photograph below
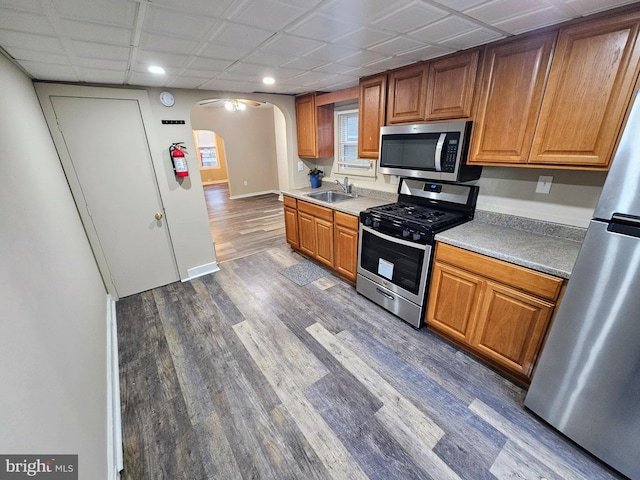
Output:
x=331 y=196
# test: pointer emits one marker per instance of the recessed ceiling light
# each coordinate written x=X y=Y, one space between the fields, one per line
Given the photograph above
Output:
x=268 y=80
x=157 y=70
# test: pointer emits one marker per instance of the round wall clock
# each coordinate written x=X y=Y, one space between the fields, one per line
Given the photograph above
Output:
x=167 y=99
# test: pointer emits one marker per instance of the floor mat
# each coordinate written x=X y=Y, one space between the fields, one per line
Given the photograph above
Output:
x=304 y=272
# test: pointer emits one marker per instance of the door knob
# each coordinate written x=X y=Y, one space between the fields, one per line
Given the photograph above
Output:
x=158 y=216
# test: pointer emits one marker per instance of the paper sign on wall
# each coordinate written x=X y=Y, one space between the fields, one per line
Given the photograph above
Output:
x=385 y=268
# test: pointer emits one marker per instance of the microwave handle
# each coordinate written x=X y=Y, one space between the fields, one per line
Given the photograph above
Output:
x=439 y=146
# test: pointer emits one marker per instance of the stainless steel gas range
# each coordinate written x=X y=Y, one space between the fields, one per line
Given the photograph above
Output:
x=395 y=246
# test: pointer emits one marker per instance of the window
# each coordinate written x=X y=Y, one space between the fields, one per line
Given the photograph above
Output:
x=208 y=157
x=347 y=145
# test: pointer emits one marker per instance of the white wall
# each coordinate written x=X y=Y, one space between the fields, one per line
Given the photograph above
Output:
x=250 y=145
x=53 y=322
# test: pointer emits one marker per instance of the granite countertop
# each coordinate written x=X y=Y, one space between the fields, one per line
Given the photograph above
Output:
x=542 y=246
x=365 y=199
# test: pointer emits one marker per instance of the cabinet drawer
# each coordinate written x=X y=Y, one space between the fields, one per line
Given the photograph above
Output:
x=316 y=210
x=290 y=202
x=345 y=220
x=536 y=283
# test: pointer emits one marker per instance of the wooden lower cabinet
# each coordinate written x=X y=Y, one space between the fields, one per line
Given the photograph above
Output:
x=324 y=235
x=346 y=245
x=291 y=221
x=499 y=311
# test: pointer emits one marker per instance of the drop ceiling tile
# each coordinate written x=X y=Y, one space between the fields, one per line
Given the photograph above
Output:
x=22 y=54
x=397 y=46
x=236 y=77
x=426 y=53
x=364 y=38
x=390 y=63
x=321 y=27
x=531 y=21
x=415 y=15
x=165 y=22
x=312 y=76
x=164 y=43
x=201 y=74
x=442 y=29
x=164 y=59
x=362 y=12
x=198 y=7
x=282 y=43
x=224 y=52
x=50 y=71
x=25 y=5
x=363 y=57
x=25 y=22
x=266 y=14
x=240 y=36
x=251 y=69
x=223 y=85
x=142 y=78
x=331 y=52
x=184 y=81
x=103 y=76
x=336 y=68
x=587 y=7
x=30 y=41
x=209 y=64
x=308 y=62
x=263 y=58
x=114 y=12
x=460 y=5
x=93 y=32
x=100 y=50
x=499 y=10
x=101 y=64
x=472 y=39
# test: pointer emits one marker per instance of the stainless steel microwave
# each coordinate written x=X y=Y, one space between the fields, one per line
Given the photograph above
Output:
x=434 y=151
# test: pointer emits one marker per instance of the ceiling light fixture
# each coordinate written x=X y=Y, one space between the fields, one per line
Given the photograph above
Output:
x=234 y=105
x=156 y=69
x=268 y=80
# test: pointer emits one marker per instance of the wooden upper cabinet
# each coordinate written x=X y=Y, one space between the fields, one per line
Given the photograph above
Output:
x=450 y=86
x=371 y=113
x=314 y=128
x=590 y=84
x=513 y=80
x=406 y=100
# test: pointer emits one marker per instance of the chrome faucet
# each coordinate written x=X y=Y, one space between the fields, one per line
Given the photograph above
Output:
x=344 y=186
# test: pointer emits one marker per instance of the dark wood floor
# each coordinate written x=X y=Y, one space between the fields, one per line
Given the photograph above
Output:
x=243 y=226
x=243 y=374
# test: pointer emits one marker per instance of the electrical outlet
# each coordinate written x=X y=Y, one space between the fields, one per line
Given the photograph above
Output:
x=300 y=167
x=544 y=184
x=246 y=183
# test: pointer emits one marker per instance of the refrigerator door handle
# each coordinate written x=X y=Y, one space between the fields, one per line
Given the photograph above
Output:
x=625 y=228
x=628 y=219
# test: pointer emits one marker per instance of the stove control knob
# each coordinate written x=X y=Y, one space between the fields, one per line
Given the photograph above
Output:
x=367 y=222
x=406 y=233
x=376 y=224
x=416 y=236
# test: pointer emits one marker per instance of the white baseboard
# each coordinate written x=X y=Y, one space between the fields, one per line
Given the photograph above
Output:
x=201 y=270
x=115 y=462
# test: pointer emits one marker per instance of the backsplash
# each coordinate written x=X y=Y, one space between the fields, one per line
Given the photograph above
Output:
x=377 y=194
x=541 y=227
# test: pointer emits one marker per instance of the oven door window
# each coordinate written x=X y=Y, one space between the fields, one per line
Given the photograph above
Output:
x=401 y=264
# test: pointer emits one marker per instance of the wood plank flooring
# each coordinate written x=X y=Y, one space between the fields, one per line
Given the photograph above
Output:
x=243 y=374
x=243 y=226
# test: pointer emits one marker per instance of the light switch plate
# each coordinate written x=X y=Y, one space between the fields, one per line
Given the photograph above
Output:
x=544 y=184
x=300 y=167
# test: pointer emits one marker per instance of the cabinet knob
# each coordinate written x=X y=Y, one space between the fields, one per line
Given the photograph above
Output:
x=158 y=216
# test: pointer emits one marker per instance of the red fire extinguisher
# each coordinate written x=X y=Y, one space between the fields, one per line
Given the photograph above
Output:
x=177 y=151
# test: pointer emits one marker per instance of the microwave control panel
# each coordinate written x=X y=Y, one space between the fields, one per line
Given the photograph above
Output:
x=450 y=152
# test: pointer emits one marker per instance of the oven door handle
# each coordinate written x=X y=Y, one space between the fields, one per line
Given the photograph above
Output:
x=394 y=239
x=388 y=296
x=439 y=146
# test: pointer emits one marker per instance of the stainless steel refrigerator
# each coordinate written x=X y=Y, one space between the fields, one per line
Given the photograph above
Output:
x=587 y=382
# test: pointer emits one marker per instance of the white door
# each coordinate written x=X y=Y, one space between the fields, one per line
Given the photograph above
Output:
x=107 y=145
